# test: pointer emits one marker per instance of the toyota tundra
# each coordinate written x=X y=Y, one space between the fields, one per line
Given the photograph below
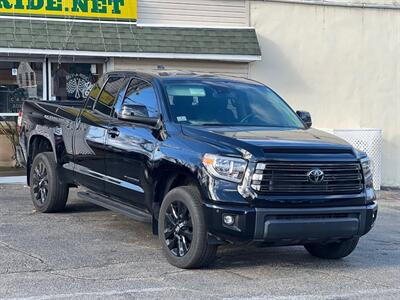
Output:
x=207 y=160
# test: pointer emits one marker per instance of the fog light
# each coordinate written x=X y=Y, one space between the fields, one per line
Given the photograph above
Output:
x=229 y=220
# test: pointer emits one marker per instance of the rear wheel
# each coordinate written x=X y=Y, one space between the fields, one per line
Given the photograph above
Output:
x=182 y=229
x=333 y=250
x=48 y=192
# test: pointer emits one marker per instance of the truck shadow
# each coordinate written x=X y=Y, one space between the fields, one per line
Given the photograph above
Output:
x=82 y=207
x=366 y=256
x=253 y=256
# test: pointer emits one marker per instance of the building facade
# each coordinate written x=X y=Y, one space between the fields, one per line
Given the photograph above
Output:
x=57 y=56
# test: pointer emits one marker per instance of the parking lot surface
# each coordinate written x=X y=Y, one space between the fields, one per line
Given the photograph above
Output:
x=87 y=252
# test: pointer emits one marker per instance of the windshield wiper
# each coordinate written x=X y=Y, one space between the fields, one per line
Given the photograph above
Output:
x=214 y=124
x=226 y=124
x=243 y=125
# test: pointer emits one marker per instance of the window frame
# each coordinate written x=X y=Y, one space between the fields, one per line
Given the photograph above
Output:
x=97 y=97
x=19 y=59
x=121 y=89
x=130 y=79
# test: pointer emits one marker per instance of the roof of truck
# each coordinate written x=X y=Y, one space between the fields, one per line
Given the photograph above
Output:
x=167 y=75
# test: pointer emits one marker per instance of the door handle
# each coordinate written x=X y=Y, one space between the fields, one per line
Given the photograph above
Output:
x=113 y=132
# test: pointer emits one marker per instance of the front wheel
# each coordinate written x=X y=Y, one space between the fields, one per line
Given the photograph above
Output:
x=48 y=192
x=333 y=250
x=182 y=229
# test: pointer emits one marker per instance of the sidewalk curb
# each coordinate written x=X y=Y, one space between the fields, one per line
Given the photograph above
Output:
x=13 y=180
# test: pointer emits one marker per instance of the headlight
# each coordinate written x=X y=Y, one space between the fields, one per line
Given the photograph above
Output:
x=366 y=168
x=366 y=165
x=224 y=167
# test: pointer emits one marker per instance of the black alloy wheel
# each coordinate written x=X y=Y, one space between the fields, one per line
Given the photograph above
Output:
x=40 y=183
x=183 y=230
x=178 y=229
x=49 y=193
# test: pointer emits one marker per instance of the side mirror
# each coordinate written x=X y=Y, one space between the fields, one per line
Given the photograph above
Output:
x=305 y=116
x=138 y=114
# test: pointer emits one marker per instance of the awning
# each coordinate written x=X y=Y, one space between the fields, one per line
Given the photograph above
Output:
x=49 y=37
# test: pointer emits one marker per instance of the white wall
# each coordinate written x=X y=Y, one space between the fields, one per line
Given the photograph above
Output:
x=341 y=64
x=194 y=12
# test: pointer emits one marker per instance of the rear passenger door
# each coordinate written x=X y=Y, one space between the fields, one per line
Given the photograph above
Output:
x=90 y=135
x=131 y=145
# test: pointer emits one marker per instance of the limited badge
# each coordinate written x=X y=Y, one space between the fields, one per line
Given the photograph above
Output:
x=181 y=118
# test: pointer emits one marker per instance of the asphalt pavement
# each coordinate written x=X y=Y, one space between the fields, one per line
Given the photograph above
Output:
x=88 y=252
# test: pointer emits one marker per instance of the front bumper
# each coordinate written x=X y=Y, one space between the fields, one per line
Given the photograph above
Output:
x=290 y=226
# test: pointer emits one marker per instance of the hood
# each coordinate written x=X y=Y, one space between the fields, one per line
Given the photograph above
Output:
x=281 y=139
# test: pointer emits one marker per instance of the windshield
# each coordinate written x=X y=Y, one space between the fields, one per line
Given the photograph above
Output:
x=228 y=103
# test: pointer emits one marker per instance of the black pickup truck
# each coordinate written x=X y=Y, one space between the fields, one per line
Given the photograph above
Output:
x=208 y=160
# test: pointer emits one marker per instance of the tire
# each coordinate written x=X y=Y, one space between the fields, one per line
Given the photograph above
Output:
x=49 y=194
x=333 y=250
x=184 y=201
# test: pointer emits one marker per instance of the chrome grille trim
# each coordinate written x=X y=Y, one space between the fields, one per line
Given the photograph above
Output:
x=291 y=178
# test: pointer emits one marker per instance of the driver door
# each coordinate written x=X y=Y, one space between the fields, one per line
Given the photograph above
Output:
x=130 y=145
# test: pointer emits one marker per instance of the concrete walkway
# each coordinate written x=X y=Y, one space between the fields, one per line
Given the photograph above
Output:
x=13 y=180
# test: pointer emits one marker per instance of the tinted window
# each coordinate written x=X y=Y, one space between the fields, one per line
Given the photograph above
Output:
x=141 y=97
x=229 y=103
x=108 y=96
x=94 y=93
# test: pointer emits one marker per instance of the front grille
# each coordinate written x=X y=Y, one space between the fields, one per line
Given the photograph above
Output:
x=293 y=178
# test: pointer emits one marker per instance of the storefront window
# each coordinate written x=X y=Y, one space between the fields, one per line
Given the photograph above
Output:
x=73 y=81
x=19 y=81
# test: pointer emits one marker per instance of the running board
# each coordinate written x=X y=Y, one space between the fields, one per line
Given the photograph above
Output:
x=124 y=209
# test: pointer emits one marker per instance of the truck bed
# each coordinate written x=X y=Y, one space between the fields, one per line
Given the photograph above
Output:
x=64 y=109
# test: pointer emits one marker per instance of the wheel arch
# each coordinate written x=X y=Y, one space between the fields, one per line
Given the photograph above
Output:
x=38 y=144
x=167 y=178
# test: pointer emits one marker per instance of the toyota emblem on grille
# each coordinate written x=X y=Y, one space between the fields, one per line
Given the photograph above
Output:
x=316 y=176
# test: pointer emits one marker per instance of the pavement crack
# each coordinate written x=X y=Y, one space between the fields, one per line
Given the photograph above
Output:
x=62 y=273
x=79 y=277
x=165 y=274
x=56 y=271
x=23 y=272
x=238 y=275
x=8 y=246
x=353 y=278
x=385 y=242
